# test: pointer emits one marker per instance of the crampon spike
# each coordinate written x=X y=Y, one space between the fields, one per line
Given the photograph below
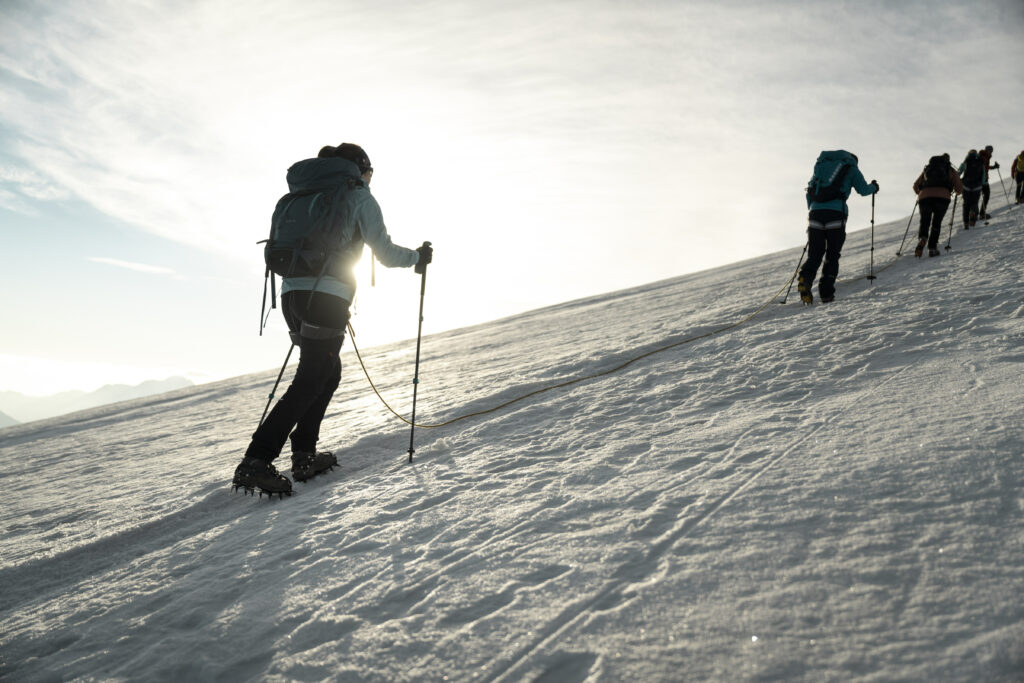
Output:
x=252 y=491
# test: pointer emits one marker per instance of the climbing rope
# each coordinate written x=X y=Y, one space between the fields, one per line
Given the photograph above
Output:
x=603 y=373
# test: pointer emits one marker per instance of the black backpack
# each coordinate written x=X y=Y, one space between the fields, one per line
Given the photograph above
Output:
x=974 y=170
x=936 y=173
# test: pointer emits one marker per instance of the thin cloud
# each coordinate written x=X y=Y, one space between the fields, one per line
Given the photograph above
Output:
x=138 y=267
x=15 y=203
x=185 y=134
x=21 y=187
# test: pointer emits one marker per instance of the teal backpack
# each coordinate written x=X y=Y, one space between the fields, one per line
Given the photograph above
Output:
x=830 y=172
x=304 y=233
x=305 y=238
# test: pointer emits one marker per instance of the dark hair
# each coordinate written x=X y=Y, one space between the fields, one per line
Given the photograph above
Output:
x=355 y=154
x=347 y=150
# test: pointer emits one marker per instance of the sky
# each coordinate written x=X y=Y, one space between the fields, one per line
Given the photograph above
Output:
x=548 y=150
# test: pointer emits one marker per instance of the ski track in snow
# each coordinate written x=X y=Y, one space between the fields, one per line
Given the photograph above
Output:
x=823 y=493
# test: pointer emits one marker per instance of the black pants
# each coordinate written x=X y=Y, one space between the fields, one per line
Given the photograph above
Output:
x=985 y=191
x=971 y=204
x=1020 y=187
x=933 y=209
x=317 y=324
x=826 y=234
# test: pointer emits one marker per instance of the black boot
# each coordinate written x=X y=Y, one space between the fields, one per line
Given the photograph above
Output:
x=919 y=250
x=306 y=464
x=253 y=473
x=933 y=251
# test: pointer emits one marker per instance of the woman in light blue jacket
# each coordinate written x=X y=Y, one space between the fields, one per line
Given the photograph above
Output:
x=316 y=310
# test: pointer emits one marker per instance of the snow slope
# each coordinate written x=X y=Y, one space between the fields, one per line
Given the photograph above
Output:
x=824 y=493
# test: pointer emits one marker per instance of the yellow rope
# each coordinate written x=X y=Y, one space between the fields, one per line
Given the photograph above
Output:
x=566 y=383
x=577 y=380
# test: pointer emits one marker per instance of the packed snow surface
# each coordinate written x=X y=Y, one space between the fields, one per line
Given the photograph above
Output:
x=824 y=493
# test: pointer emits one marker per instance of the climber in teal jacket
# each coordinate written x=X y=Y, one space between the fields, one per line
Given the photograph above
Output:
x=835 y=174
x=833 y=165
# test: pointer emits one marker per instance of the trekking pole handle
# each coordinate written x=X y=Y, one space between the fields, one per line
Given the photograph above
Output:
x=423 y=280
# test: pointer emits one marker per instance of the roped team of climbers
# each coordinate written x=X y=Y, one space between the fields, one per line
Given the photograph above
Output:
x=320 y=226
x=836 y=175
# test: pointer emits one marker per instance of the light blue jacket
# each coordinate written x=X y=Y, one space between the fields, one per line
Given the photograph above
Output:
x=828 y=163
x=362 y=223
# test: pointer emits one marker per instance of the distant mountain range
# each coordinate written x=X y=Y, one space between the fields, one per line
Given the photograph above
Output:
x=16 y=407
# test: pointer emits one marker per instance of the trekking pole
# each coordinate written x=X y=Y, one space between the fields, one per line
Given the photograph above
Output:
x=871 y=268
x=795 y=272
x=899 y=252
x=416 y=374
x=952 y=217
x=271 y=398
x=1003 y=185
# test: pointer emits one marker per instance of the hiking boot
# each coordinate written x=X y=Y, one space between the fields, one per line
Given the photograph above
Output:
x=919 y=249
x=828 y=299
x=932 y=251
x=306 y=465
x=987 y=216
x=253 y=473
x=805 y=291
x=974 y=218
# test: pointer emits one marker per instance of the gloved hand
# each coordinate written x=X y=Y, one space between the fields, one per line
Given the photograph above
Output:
x=875 y=183
x=995 y=165
x=426 y=256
